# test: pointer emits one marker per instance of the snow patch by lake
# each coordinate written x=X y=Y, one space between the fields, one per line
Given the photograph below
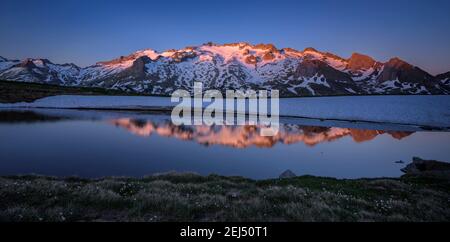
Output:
x=417 y=110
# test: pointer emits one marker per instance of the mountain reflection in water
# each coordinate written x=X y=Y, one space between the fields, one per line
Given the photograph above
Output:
x=90 y=143
x=248 y=135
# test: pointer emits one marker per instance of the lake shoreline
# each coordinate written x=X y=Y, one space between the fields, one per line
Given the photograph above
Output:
x=192 y=197
x=430 y=112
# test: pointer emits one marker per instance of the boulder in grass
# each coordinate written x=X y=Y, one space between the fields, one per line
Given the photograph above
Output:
x=427 y=168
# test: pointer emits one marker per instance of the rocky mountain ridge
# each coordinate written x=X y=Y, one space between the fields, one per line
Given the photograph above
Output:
x=237 y=66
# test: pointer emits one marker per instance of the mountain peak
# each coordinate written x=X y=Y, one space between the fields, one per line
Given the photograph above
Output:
x=27 y=63
x=152 y=54
x=359 y=61
x=143 y=51
x=310 y=49
x=269 y=47
x=239 y=44
x=398 y=69
x=356 y=55
x=71 y=65
x=287 y=49
x=129 y=59
x=396 y=62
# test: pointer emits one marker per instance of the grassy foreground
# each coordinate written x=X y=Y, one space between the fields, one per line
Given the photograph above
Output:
x=190 y=197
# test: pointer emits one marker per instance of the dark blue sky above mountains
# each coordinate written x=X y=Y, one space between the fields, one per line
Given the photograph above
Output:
x=85 y=32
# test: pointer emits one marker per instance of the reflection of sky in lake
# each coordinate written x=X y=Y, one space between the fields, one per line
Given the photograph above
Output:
x=126 y=147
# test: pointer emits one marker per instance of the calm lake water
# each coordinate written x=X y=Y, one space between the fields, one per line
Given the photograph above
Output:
x=96 y=144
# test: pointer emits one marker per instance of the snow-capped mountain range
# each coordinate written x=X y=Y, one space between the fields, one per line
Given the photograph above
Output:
x=237 y=66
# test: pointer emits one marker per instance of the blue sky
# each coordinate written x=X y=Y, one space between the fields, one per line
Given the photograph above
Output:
x=85 y=32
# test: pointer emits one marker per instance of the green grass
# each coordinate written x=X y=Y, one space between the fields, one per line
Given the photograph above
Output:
x=191 y=197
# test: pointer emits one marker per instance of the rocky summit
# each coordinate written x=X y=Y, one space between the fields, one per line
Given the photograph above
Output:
x=237 y=66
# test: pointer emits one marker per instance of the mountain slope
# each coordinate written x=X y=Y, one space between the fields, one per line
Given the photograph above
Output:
x=444 y=81
x=39 y=71
x=237 y=66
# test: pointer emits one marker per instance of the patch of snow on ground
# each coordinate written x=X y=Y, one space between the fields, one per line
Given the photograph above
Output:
x=416 y=110
x=350 y=90
x=391 y=83
x=337 y=64
x=364 y=75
